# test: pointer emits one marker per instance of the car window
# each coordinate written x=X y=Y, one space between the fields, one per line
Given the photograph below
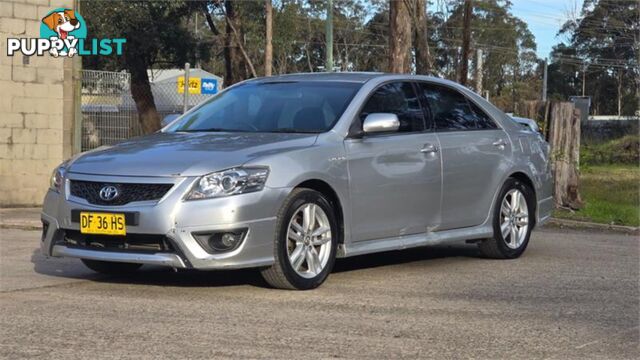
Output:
x=285 y=106
x=449 y=109
x=483 y=121
x=397 y=98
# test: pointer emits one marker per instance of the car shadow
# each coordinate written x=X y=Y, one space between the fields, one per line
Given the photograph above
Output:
x=399 y=257
x=162 y=276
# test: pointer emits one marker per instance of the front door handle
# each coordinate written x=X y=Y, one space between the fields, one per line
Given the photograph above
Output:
x=429 y=149
x=500 y=143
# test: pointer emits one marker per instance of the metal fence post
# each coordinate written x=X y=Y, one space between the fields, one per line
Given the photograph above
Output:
x=185 y=101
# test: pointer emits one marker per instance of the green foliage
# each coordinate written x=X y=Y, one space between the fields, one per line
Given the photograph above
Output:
x=611 y=194
x=510 y=62
x=156 y=33
x=625 y=150
x=603 y=40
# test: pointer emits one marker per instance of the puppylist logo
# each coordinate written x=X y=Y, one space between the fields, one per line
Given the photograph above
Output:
x=63 y=32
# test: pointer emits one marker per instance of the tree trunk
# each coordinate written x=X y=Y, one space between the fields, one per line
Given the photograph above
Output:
x=564 y=138
x=399 y=37
x=235 y=70
x=207 y=16
x=268 y=48
x=466 y=39
x=421 y=40
x=143 y=97
x=619 y=92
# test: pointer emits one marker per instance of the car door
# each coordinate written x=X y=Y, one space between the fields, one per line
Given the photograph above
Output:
x=395 y=181
x=474 y=152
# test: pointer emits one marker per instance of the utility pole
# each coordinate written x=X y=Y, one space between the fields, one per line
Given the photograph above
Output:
x=479 y=72
x=195 y=29
x=329 y=37
x=268 y=50
x=584 y=78
x=544 y=81
x=185 y=99
x=466 y=39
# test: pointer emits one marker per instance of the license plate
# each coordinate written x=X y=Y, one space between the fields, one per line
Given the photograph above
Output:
x=102 y=223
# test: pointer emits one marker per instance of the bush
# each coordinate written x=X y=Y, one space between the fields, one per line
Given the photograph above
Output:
x=625 y=150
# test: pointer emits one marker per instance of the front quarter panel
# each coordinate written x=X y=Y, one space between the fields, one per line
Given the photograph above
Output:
x=325 y=160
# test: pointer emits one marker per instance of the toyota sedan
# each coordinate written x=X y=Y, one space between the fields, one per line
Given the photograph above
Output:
x=287 y=173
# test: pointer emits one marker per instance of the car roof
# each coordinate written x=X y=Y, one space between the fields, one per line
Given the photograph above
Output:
x=359 y=77
x=356 y=77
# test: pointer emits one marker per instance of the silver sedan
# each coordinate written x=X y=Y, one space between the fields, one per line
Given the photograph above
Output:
x=287 y=173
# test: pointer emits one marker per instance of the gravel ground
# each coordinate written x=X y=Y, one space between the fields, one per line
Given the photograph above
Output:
x=571 y=295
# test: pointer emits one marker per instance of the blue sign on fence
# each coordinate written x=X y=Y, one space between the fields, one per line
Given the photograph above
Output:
x=209 y=86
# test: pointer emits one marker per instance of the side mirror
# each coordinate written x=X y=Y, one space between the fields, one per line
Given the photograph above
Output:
x=380 y=122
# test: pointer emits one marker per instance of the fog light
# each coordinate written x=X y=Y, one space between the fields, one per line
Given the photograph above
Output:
x=219 y=242
x=229 y=239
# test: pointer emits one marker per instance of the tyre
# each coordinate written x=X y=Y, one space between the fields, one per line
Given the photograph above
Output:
x=111 y=268
x=305 y=242
x=513 y=219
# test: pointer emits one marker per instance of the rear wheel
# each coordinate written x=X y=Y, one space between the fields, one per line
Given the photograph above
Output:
x=512 y=221
x=305 y=244
x=111 y=268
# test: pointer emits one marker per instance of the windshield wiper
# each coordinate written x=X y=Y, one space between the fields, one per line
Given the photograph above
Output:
x=293 y=130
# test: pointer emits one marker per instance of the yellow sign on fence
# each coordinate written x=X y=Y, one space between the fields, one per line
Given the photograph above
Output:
x=195 y=85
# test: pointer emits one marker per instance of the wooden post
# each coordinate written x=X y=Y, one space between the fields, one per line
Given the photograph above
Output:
x=564 y=138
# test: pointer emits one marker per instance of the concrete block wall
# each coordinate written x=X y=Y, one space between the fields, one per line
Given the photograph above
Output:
x=36 y=107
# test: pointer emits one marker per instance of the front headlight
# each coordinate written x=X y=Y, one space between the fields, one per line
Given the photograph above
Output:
x=57 y=179
x=229 y=182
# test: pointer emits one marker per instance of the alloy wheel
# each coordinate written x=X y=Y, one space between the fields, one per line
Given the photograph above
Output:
x=514 y=215
x=309 y=240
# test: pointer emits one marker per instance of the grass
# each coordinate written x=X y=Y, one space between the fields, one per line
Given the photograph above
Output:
x=611 y=195
x=624 y=150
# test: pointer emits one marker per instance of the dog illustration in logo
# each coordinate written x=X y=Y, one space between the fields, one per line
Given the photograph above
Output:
x=62 y=23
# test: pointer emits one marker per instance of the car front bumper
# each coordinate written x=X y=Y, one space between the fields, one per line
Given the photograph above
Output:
x=174 y=219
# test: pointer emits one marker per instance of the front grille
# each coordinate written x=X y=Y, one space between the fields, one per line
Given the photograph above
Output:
x=128 y=192
x=138 y=243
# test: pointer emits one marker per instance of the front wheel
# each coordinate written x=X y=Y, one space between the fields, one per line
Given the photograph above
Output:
x=513 y=219
x=305 y=243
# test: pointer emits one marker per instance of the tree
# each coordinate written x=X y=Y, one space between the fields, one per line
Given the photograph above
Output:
x=235 y=64
x=268 y=48
x=399 y=37
x=466 y=39
x=155 y=33
x=604 y=40
x=510 y=62
x=421 y=37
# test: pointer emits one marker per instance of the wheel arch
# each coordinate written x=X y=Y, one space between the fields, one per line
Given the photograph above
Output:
x=328 y=191
x=519 y=175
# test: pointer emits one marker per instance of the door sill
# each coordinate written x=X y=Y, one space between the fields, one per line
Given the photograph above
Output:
x=417 y=240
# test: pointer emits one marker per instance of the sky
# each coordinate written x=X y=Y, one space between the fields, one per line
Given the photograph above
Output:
x=544 y=18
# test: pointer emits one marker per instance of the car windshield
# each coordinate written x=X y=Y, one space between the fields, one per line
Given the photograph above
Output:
x=297 y=107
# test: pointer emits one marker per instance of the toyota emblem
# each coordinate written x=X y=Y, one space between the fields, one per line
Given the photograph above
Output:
x=109 y=192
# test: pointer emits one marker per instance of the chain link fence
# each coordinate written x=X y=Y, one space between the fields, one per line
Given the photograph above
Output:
x=104 y=118
x=109 y=113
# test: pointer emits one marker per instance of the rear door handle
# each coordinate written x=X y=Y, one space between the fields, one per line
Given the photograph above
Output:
x=429 y=149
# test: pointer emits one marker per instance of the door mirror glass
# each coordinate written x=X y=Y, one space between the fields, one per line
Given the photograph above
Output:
x=380 y=122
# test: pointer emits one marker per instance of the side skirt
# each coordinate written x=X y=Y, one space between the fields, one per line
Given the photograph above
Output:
x=417 y=240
